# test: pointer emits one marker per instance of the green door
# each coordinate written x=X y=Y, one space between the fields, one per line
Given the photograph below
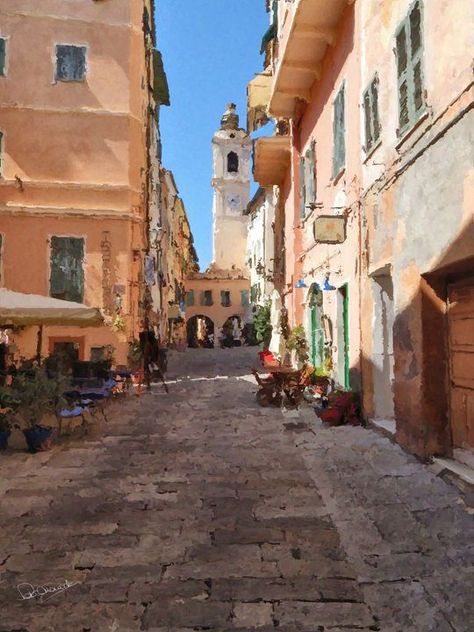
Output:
x=317 y=331
x=345 y=320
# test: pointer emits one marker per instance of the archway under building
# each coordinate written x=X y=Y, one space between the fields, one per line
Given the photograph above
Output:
x=231 y=333
x=200 y=332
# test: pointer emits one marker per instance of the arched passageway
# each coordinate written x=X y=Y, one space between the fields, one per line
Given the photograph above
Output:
x=200 y=332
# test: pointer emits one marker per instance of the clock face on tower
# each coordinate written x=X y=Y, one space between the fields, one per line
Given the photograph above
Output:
x=233 y=200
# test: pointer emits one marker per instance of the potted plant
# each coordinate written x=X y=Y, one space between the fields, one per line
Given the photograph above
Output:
x=297 y=342
x=8 y=405
x=263 y=326
x=38 y=395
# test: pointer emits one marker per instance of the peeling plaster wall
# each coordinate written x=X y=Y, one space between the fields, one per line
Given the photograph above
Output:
x=418 y=214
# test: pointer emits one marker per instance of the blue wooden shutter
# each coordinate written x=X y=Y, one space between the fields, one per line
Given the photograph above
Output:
x=3 y=45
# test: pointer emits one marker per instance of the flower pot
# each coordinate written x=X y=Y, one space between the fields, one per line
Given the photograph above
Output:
x=331 y=416
x=4 y=435
x=39 y=438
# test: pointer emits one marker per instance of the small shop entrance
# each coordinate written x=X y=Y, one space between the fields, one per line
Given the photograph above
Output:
x=461 y=359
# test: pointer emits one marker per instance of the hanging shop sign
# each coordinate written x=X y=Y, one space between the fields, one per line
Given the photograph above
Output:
x=330 y=229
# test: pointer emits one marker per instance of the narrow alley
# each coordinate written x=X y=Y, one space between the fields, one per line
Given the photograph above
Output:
x=199 y=510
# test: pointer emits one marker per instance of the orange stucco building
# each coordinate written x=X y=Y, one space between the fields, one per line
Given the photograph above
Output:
x=371 y=169
x=77 y=122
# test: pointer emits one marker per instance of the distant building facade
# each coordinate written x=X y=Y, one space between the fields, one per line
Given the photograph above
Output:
x=220 y=295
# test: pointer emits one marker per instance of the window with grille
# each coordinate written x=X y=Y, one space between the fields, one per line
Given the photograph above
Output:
x=225 y=298
x=70 y=62
x=67 y=271
x=339 y=133
x=409 y=53
x=370 y=103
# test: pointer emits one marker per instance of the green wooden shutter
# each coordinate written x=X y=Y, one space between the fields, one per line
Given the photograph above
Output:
x=302 y=187
x=3 y=45
x=402 y=72
x=416 y=50
x=409 y=51
x=244 y=298
x=67 y=273
x=368 y=121
x=190 y=298
x=310 y=169
x=203 y=298
x=374 y=97
x=339 y=132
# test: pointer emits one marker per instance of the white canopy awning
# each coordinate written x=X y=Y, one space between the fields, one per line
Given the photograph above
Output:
x=32 y=309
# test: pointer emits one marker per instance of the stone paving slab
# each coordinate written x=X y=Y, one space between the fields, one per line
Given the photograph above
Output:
x=199 y=510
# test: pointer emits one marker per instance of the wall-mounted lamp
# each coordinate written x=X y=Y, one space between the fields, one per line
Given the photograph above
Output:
x=326 y=285
x=300 y=284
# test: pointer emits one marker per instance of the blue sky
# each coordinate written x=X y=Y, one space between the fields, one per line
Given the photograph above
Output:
x=210 y=51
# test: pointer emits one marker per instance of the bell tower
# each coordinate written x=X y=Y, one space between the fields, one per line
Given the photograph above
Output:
x=231 y=148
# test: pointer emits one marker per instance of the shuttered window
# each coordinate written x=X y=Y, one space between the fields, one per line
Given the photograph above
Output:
x=370 y=102
x=1 y=260
x=67 y=272
x=190 y=298
x=308 y=179
x=225 y=298
x=339 y=133
x=409 y=52
x=206 y=298
x=244 y=298
x=302 y=187
x=3 y=52
x=1 y=154
x=70 y=62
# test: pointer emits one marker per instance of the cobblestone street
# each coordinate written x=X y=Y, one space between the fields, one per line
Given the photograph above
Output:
x=198 y=510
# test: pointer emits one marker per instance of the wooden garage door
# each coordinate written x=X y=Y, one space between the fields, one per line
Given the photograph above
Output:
x=461 y=352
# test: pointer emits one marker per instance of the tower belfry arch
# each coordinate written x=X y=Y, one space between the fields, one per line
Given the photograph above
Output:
x=231 y=147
